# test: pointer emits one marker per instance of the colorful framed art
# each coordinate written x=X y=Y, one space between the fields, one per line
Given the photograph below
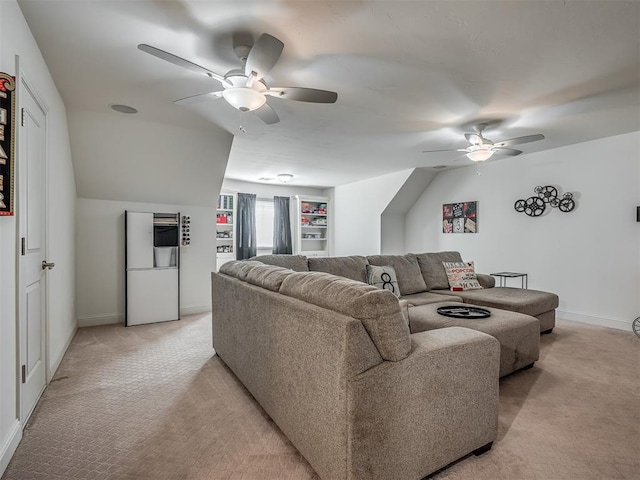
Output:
x=460 y=217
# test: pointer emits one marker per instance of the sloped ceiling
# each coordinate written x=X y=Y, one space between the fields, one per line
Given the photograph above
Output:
x=116 y=157
x=410 y=75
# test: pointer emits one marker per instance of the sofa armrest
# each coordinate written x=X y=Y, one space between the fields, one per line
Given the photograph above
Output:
x=412 y=417
x=486 y=281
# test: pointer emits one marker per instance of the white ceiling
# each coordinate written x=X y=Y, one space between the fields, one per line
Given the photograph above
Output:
x=410 y=75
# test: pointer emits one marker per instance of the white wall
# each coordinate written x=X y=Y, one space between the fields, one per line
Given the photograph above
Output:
x=121 y=157
x=100 y=287
x=125 y=163
x=357 y=211
x=16 y=39
x=392 y=220
x=590 y=257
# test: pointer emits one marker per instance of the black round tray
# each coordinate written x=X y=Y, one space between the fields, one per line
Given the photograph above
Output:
x=464 y=312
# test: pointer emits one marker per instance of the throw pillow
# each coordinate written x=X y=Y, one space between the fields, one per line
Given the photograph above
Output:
x=383 y=277
x=462 y=276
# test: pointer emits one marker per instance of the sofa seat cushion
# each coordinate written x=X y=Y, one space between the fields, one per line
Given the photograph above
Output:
x=425 y=298
x=297 y=263
x=378 y=310
x=407 y=270
x=432 y=269
x=529 y=302
x=518 y=334
x=352 y=267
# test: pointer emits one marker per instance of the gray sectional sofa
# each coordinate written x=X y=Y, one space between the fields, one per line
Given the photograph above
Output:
x=367 y=386
x=422 y=278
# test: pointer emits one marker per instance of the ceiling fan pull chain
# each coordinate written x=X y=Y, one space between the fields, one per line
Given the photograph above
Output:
x=241 y=127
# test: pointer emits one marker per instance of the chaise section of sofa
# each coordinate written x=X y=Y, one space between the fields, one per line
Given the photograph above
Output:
x=332 y=362
x=536 y=303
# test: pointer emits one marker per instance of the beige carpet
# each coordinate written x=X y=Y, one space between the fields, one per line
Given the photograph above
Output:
x=150 y=402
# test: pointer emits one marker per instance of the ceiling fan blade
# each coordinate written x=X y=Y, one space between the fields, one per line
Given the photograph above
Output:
x=263 y=56
x=520 y=140
x=301 y=94
x=507 y=151
x=198 y=98
x=473 y=138
x=267 y=114
x=446 y=150
x=179 y=61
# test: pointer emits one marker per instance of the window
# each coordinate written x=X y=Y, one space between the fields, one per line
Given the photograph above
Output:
x=264 y=223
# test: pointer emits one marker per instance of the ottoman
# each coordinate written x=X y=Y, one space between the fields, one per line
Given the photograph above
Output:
x=518 y=334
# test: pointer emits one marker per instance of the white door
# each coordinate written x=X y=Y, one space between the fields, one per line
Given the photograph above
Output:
x=31 y=211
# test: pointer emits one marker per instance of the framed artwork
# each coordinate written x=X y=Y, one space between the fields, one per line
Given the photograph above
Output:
x=461 y=217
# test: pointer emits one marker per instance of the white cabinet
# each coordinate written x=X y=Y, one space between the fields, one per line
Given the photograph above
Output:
x=153 y=296
x=139 y=240
x=225 y=228
x=310 y=225
x=152 y=267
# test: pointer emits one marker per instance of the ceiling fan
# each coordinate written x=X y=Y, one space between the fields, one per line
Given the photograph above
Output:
x=481 y=148
x=246 y=89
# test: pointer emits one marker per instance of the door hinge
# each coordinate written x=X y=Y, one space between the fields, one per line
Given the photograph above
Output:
x=22 y=117
x=22 y=245
x=24 y=373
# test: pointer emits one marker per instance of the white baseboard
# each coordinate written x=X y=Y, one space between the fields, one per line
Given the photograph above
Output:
x=9 y=447
x=56 y=363
x=96 y=320
x=195 y=310
x=591 y=320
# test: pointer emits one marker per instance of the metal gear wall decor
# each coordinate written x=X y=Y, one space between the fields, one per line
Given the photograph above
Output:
x=548 y=195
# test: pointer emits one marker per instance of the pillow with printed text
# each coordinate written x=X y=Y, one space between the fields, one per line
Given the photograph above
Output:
x=462 y=276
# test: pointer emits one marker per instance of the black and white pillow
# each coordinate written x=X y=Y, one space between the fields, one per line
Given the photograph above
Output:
x=383 y=277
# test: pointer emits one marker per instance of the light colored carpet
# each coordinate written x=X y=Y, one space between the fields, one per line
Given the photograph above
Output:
x=150 y=402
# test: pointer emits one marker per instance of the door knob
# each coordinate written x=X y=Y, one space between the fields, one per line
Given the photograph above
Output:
x=48 y=265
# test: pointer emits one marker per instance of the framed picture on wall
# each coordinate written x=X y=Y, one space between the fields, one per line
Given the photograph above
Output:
x=460 y=217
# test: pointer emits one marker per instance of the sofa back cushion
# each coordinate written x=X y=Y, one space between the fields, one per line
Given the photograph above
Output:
x=352 y=267
x=268 y=276
x=297 y=263
x=407 y=270
x=432 y=269
x=378 y=310
x=239 y=268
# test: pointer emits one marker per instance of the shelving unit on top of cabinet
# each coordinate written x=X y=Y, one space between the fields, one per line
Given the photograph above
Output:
x=311 y=226
x=225 y=216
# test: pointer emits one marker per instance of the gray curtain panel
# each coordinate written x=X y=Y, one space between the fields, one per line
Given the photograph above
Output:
x=281 y=226
x=246 y=226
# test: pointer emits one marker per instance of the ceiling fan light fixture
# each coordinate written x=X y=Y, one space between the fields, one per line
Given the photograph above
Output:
x=243 y=98
x=285 y=177
x=480 y=155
